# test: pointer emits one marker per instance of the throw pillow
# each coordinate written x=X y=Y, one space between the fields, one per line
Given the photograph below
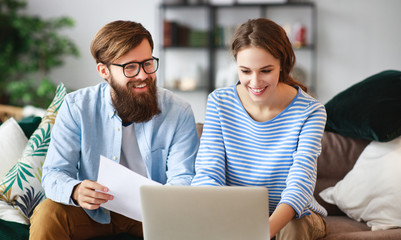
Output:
x=370 y=109
x=22 y=187
x=371 y=191
x=12 y=143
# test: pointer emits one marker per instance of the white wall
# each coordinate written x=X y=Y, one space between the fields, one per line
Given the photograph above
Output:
x=356 y=38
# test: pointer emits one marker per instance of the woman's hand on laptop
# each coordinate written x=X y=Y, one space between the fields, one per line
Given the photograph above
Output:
x=90 y=194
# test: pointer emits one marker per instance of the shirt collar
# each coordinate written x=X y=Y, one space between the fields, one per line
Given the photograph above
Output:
x=111 y=111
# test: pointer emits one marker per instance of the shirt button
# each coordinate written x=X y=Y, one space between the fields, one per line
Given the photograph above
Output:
x=118 y=129
x=114 y=158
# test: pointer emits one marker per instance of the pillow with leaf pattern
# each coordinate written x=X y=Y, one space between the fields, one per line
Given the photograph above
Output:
x=21 y=187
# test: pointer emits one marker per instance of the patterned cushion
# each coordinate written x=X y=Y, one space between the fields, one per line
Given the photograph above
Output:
x=21 y=187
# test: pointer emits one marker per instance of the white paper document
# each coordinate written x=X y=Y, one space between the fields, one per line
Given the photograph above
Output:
x=124 y=185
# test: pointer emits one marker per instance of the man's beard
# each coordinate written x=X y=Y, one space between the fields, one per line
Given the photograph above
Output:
x=135 y=107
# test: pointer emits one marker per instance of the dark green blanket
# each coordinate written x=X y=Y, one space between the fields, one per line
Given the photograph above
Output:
x=17 y=231
x=14 y=231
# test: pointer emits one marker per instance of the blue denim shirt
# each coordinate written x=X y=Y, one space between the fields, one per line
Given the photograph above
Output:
x=87 y=126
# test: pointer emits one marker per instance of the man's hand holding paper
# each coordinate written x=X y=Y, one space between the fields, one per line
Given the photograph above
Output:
x=123 y=185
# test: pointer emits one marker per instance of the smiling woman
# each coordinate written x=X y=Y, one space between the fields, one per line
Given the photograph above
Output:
x=266 y=131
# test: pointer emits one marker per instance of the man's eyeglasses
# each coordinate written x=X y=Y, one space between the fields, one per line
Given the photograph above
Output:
x=132 y=69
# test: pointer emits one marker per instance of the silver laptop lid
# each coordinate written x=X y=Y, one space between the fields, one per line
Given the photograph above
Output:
x=192 y=213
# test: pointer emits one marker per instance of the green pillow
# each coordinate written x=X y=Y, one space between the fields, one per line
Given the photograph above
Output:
x=13 y=230
x=370 y=109
x=29 y=125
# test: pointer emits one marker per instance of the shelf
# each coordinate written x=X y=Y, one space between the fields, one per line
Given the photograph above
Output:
x=214 y=20
x=184 y=47
x=303 y=48
x=236 y=5
x=181 y=5
x=196 y=90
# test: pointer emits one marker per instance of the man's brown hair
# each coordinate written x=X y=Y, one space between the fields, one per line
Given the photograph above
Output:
x=116 y=39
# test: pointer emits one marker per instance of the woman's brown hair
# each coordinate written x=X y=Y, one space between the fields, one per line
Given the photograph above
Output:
x=116 y=39
x=266 y=34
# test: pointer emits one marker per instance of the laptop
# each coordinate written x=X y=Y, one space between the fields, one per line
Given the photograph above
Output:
x=205 y=213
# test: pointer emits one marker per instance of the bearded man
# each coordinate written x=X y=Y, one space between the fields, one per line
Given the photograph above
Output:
x=127 y=119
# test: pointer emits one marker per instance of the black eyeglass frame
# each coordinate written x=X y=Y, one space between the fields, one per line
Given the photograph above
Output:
x=141 y=64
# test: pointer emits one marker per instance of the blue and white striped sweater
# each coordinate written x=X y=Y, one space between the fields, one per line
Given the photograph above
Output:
x=279 y=154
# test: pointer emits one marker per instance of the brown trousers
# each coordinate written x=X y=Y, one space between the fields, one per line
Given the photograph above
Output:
x=309 y=227
x=52 y=220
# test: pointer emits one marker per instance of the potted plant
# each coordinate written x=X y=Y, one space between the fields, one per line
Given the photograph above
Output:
x=30 y=47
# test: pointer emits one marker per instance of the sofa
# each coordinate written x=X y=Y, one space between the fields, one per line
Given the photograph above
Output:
x=339 y=154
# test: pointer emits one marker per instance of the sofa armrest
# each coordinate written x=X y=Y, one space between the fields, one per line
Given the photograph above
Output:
x=7 y=112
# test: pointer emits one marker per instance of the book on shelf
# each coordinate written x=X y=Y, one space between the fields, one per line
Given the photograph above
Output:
x=176 y=34
x=197 y=38
x=171 y=33
x=224 y=36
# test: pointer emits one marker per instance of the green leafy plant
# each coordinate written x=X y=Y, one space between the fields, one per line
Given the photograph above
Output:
x=29 y=48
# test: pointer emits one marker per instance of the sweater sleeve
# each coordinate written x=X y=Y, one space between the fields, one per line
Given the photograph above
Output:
x=210 y=162
x=302 y=175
